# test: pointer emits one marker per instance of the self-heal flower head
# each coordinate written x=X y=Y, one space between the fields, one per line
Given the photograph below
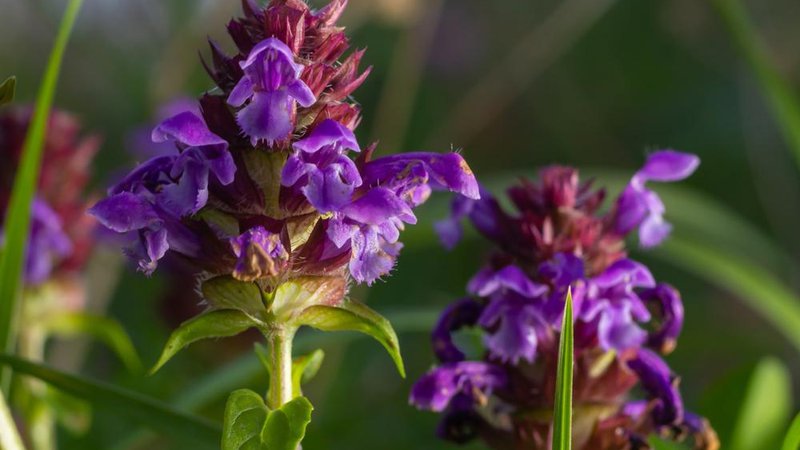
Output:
x=640 y=207
x=271 y=85
x=556 y=239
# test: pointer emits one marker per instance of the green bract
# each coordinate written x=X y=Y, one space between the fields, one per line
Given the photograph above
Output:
x=250 y=425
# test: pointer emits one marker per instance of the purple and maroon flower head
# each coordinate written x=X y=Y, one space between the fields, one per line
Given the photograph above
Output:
x=268 y=183
x=558 y=238
x=61 y=235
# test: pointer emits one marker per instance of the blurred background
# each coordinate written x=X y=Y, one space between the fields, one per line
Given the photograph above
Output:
x=516 y=85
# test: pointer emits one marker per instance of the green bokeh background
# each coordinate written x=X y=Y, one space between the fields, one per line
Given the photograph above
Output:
x=638 y=76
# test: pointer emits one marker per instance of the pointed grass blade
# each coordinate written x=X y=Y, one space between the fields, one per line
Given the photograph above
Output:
x=158 y=416
x=17 y=219
x=792 y=439
x=766 y=408
x=562 y=414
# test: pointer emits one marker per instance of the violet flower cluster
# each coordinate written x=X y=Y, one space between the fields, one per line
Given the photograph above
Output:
x=60 y=238
x=268 y=182
x=624 y=319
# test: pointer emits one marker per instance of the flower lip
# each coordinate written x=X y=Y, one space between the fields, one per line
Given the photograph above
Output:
x=329 y=133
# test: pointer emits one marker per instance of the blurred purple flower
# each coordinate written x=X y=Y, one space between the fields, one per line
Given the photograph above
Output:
x=476 y=380
x=640 y=207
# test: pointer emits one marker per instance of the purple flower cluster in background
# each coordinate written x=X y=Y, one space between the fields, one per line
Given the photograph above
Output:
x=60 y=238
x=623 y=318
x=262 y=184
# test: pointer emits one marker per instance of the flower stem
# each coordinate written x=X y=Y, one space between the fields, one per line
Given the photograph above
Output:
x=280 y=382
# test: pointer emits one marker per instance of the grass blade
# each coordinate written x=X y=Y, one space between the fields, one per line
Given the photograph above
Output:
x=17 y=221
x=777 y=91
x=9 y=435
x=7 y=89
x=758 y=288
x=148 y=412
x=766 y=407
x=562 y=413
x=792 y=439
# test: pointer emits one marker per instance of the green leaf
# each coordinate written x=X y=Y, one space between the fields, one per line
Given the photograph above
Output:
x=104 y=329
x=286 y=426
x=792 y=439
x=213 y=324
x=226 y=292
x=250 y=425
x=760 y=289
x=659 y=444
x=766 y=407
x=134 y=406
x=17 y=222
x=562 y=413
x=778 y=92
x=245 y=415
x=354 y=316
x=304 y=368
x=7 y=90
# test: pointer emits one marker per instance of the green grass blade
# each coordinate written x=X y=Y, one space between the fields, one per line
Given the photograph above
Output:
x=777 y=91
x=766 y=408
x=17 y=221
x=758 y=288
x=9 y=435
x=792 y=439
x=144 y=410
x=562 y=413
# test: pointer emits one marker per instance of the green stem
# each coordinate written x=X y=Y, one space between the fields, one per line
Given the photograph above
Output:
x=280 y=381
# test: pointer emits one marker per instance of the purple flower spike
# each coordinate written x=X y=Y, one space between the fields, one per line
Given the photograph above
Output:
x=202 y=152
x=272 y=84
x=436 y=389
x=260 y=254
x=639 y=206
x=488 y=281
x=670 y=308
x=661 y=385
x=47 y=243
x=412 y=175
x=463 y=313
x=321 y=168
x=515 y=325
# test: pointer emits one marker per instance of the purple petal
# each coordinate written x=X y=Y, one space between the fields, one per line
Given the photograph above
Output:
x=670 y=315
x=407 y=172
x=449 y=230
x=329 y=133
x=267 y=117
x=188 y=129
x=488 y=281
x=661 y=385
x=302 y=93
x=514 y=327
x=462 y=313
x=371 y=258
x=668 y=165
x=436 y=389
x=377 y=206
x=260 y=254
x=625 y=271
x=125 y=212
x=617 y=330
x=241 y=92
